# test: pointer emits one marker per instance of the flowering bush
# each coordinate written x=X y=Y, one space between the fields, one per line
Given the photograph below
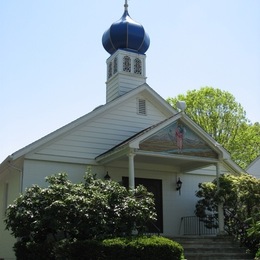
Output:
x=94 y=209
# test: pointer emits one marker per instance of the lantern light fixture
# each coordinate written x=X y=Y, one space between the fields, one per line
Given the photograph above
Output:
x=107 y=177
x=179 y=185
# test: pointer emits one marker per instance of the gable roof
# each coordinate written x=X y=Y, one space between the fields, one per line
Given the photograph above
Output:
x=135 y=141
x=253 y=164
x=144 y=89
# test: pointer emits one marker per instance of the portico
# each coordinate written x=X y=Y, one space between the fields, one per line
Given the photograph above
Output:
x=157 y=148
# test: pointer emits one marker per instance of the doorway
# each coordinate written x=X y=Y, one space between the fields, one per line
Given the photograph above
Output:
x=154 y=186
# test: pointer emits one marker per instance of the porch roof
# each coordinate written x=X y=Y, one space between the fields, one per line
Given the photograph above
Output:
x=183 y=162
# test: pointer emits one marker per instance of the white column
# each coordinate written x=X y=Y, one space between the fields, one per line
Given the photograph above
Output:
x=131 y=169
x=220 y=205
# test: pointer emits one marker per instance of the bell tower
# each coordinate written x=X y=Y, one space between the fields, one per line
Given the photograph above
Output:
x=126 y=41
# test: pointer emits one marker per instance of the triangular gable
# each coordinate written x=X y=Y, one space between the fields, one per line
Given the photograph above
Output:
x=177 y=138
x=196 y=142
x=144 y=90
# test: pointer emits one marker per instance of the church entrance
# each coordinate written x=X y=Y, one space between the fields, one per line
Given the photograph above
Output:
x=154 y=186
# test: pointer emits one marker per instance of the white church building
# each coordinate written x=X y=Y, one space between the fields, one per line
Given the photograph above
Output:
x=135 y=138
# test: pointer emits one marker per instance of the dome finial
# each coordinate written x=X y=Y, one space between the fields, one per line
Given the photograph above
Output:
x=126 y=5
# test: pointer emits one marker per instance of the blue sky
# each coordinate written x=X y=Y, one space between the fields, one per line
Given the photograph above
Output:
x=52 y=62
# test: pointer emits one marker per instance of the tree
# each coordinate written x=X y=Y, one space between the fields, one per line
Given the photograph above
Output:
x=218 y=113
x=246 y=145
x=95 y=209
x=240 y=196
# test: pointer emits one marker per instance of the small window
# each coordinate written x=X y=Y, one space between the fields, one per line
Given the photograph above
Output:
x=138 y=66
x=127 y=64
x=109 y=72
x=115 y=66
x=141 y=107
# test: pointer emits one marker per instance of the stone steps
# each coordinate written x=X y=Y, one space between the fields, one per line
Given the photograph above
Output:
x=211 y=248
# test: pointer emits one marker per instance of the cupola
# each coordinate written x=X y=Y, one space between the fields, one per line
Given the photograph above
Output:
x=126 y=41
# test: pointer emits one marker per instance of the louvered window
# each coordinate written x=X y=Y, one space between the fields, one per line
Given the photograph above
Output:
x=127 y=64
x=115 y=65
x=141 y=107
x=109 y=72
x=138 y=66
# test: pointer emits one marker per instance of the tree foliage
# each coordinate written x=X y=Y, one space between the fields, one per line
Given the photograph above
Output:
x=240 y=196
x=246 y=145
x=94 y=209
x=218 y=113
x=254 y=234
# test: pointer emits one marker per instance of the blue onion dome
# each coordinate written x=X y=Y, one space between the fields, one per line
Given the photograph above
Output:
x=126 y=34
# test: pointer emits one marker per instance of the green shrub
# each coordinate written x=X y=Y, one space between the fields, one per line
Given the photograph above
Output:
x=257 y=255
x=132 y=248
x=95 y=209
x=27 y=250
x=145 y=248
x=240 y=197
x=253 y=233
x=78 y=250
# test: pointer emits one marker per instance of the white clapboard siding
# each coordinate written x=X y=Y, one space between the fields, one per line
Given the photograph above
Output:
x=103 y=132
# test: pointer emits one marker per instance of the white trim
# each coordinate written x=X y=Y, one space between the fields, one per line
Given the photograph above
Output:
x=179 y=157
